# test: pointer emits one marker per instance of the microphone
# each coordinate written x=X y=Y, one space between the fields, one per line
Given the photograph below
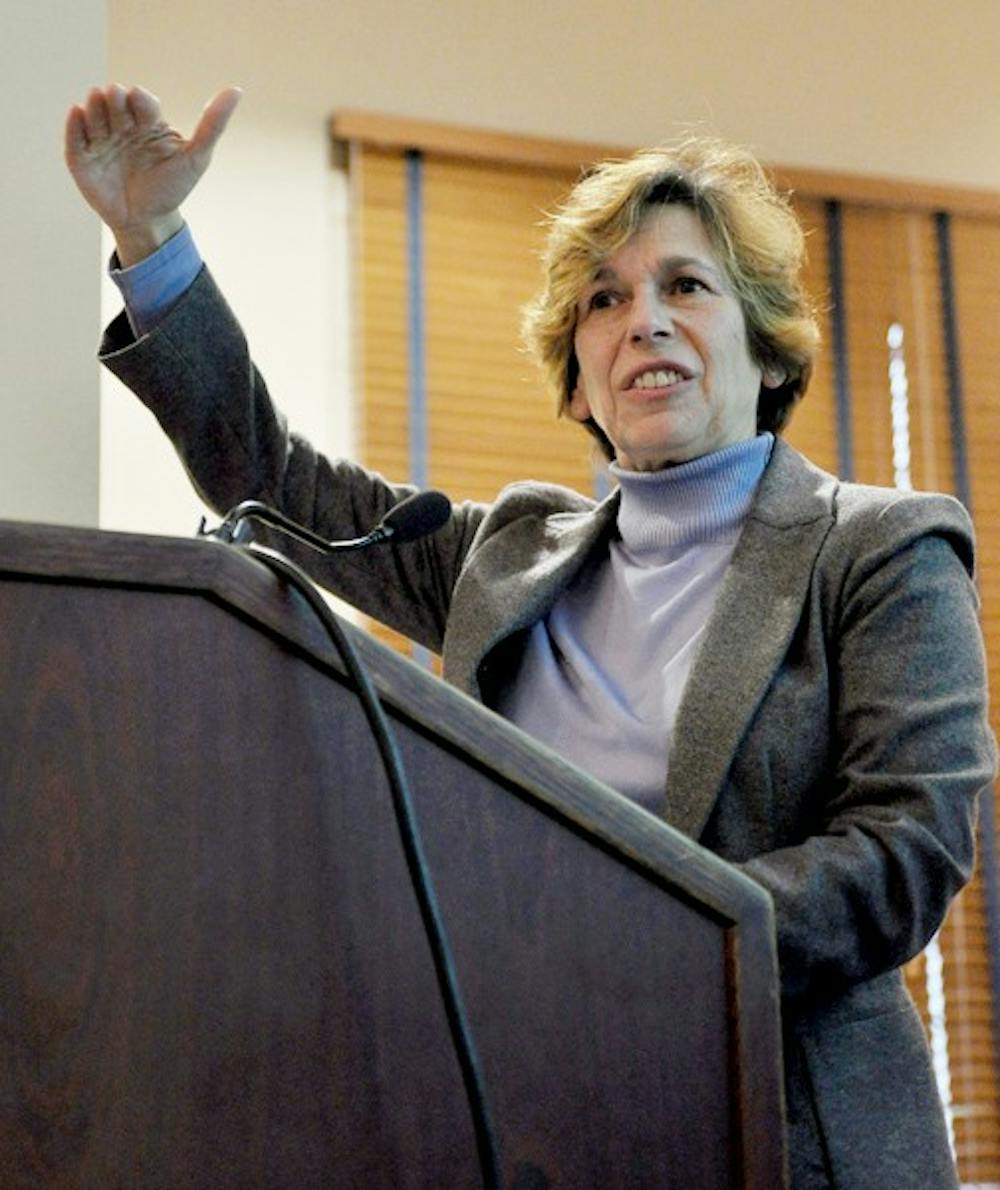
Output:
x=416 y=516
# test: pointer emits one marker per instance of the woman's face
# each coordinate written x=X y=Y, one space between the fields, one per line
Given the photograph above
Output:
x=661 y=343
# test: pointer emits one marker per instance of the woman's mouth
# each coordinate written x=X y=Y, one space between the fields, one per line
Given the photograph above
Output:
x=657 y=378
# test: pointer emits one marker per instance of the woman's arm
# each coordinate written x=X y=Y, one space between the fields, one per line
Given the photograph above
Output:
x=195 y=374
x=910 y=751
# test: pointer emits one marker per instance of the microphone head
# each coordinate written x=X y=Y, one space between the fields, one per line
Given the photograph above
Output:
x=416 y=516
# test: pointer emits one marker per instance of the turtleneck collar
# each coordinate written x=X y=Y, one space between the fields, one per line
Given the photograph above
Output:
x=704 y=500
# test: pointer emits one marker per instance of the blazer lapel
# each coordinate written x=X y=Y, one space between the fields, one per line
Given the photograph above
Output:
x=511 y=586
x=758 y=606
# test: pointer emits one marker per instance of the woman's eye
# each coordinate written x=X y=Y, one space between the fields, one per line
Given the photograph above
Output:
x=689 y=285
x=601 y=300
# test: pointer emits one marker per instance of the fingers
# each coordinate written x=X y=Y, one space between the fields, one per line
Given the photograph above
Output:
x=119 y=114
x=77 y=140
x=110 y=112
x=96 y=115
x=143 y=106
x=87 y=124
x=115 y=115
x=213 y=121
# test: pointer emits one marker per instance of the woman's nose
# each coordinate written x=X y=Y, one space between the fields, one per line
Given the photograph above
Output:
x=651 y=316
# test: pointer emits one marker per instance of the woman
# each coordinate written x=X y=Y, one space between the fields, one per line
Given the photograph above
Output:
x=785 y=667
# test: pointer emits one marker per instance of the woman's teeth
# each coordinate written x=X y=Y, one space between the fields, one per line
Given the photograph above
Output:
x=659 y=379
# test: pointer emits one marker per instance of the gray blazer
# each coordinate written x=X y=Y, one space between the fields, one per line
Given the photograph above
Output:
x=832 y=738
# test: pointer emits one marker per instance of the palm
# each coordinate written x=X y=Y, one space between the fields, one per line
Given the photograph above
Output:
x=137 y=178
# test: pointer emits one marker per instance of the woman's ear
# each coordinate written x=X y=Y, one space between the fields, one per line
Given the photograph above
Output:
x=578 y=407
x=773 y=376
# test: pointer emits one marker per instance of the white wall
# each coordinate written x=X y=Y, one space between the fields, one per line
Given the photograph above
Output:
x=898 y=87
x=49 y=397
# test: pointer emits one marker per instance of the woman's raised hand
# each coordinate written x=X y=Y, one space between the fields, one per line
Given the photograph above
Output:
x=133 y=168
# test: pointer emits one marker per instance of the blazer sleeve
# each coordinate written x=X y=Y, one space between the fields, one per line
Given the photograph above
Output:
x=195 y=374
x=909 y=749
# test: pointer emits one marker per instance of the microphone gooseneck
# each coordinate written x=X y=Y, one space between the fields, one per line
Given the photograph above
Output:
x=416 y=516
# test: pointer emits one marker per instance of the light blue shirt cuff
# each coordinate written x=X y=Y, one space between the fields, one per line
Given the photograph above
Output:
x=152 y=287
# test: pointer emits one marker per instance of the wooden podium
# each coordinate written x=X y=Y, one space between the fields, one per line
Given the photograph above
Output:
x=212 y=968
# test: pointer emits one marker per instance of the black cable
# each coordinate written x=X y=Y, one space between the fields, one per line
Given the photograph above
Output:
x=402 y=802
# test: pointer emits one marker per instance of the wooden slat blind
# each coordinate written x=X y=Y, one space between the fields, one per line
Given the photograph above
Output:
x=813 y=428
x=488 y=423
x=379 y=214
x=976 y=252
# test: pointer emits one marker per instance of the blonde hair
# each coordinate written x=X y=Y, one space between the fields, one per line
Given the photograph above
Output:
x=753 y=231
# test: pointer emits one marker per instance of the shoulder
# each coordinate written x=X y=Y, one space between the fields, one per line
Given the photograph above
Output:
x=536 y=498
x=537 y=503
x=538 y=525
x=887 y=521
x=865 y=521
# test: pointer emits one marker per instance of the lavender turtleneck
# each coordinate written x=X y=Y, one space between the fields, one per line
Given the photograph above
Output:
x=603 y=674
